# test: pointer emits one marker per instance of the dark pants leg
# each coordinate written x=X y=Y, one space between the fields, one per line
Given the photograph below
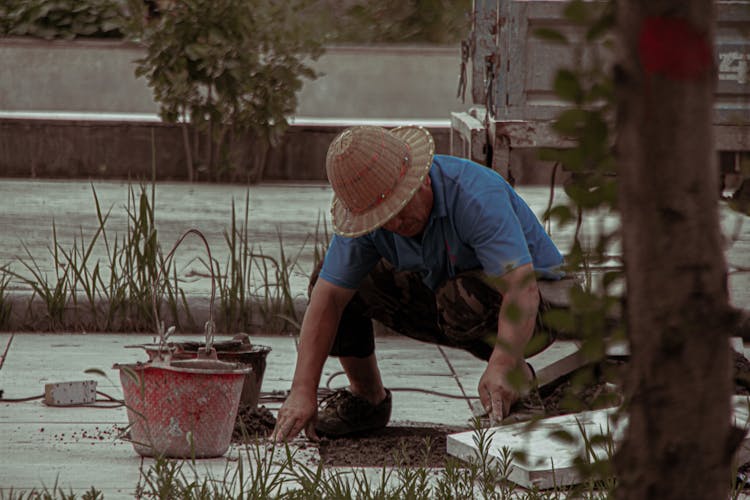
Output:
x=461 y=313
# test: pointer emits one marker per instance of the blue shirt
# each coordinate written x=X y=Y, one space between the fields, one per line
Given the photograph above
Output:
x=477 y=222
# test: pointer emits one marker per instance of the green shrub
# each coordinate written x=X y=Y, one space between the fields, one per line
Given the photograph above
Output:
x=65 y=19
x=228 y=67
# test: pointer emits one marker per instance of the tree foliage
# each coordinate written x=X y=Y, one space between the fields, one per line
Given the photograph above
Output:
x=347 y=21
x=396 y=21
x=227 y=66
x=66 y=19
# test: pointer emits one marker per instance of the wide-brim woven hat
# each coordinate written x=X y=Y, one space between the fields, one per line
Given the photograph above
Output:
x=374 y=173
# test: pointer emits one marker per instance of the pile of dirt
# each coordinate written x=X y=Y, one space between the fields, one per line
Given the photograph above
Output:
x=394 y=446
x=590 y=388
x=253 y=423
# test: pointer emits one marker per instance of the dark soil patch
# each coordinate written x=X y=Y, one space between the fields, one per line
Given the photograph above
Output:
x=394 y=446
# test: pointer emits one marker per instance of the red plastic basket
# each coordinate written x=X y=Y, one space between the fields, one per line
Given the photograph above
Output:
x=183 y=408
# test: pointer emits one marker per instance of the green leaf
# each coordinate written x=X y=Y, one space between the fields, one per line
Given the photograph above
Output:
x=551 y=35
x=601 y=27
x=550 y=154
x=559 y=320
x=563 y=436
x=512 y=312
x=95 y=371
x=567 y=86
x=570 y=121
x=577 y=11
x=562 y=213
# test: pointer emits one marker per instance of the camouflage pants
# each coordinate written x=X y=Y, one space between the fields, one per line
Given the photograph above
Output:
x=461 y=313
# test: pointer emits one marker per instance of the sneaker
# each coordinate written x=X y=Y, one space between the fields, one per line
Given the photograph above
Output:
x=343 y=413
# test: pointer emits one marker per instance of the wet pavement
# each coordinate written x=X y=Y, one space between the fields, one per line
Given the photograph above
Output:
x=77 y=448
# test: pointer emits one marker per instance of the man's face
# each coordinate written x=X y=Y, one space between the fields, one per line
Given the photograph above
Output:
x=413 y=218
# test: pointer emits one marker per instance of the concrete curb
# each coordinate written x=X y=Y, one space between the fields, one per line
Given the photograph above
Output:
x=28 y=312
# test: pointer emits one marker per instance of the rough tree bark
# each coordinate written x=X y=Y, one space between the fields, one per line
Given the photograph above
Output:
x=677 y=444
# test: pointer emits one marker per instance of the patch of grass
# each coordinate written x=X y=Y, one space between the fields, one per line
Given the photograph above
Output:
x=117 y=291
x=234 y=309
x=52 y=291
x=267 y=471
x=6 y=307
x=264 y=470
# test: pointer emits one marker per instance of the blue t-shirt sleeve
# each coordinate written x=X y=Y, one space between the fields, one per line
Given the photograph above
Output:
x=488 y=223
x=349 y=260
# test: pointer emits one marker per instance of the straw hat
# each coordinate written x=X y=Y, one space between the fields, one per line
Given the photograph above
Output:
x=374 y=173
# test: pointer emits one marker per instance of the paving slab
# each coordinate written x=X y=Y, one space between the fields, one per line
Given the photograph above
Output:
x=549 y=461
x=74 y=466
x=411 y=368
x=120 y=470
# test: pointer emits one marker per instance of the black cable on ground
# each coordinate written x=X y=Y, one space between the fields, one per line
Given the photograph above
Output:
x=405 y=389
x=20 y=400
x=111 y=402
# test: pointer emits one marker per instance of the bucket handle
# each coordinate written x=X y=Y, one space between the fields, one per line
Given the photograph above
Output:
x=210 y=326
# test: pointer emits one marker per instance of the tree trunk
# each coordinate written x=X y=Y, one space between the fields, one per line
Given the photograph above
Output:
x=679 y=381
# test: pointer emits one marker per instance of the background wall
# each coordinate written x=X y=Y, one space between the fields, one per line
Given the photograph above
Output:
x=355 y=82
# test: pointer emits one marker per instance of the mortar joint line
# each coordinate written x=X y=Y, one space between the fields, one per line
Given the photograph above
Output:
x=455 y=376
x=7 y=349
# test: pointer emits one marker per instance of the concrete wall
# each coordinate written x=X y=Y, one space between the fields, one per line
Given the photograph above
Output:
x=384 y=82
x=355 y=82
x=121 y=150
x=92 y=76
x=54 y=96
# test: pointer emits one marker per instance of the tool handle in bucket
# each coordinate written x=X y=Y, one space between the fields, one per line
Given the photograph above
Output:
x=210 y=327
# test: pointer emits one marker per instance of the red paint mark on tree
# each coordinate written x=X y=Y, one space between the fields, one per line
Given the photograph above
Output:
x=673 y=47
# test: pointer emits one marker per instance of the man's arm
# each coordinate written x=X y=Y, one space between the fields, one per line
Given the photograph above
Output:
x=319 y=326
x=515 y=327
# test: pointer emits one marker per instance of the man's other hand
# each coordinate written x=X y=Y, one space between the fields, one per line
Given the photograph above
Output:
x=297 y=413
x=501 y=385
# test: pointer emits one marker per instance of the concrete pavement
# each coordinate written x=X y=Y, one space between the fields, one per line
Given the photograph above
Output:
x=77 y=448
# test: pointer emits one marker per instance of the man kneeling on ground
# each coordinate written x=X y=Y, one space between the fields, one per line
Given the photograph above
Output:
x=435 y=247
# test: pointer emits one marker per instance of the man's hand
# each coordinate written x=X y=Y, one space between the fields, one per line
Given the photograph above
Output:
x=501 y=385
x=297 y=413
x=507 y=375
x=300 y=410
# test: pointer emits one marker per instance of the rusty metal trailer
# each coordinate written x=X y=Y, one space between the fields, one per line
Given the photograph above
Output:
x=511 y=72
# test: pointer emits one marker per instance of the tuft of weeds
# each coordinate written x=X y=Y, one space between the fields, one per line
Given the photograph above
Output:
x=233 y=285
x=53 y=292
x=118 y=291
x=264 y=470
x=6 y=307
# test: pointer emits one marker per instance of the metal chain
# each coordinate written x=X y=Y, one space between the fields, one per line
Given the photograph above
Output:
x=467 y=51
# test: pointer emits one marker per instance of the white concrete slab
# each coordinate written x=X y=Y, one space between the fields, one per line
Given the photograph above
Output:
x=117 y=469
x=75 y=466
x=550 y=461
